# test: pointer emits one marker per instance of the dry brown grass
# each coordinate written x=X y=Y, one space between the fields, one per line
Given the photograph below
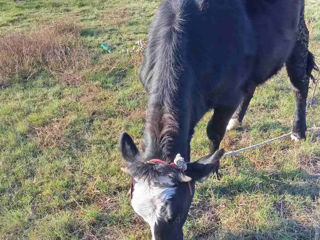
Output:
x=93 y=98
x=116 y=17
x=310 y=163
x=56 y=47
x=51 y=136
x=230 y=216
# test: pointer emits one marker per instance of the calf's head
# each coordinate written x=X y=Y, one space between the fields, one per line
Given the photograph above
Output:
x=162 y=193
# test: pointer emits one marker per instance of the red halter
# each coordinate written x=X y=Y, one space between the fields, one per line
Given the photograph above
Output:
x=165 y=163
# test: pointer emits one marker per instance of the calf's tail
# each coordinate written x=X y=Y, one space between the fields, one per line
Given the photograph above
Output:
x=311 y=65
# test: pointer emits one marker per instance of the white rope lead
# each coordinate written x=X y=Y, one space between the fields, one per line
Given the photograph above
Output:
x=233 y=153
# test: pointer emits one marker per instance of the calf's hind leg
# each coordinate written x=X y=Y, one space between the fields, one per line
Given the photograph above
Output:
x=238 y=116
x=217 y=126
x=299 y=67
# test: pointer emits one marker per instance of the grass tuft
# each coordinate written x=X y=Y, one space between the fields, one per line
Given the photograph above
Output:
x=56 y=47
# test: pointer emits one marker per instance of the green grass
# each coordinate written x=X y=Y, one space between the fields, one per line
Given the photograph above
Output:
x=60 y=172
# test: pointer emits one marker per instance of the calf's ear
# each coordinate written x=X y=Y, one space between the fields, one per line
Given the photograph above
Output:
x=203 y=167
x=128 y=148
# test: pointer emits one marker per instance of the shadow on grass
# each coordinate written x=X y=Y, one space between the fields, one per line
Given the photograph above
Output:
x=264 y=127
x=91 y=32
x=288 y=229
x=115 y=79
x=303 y=184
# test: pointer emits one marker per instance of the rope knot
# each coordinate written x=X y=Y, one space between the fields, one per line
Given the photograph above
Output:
x=179 y=162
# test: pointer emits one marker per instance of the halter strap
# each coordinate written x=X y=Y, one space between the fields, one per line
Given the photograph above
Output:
x=163 y=162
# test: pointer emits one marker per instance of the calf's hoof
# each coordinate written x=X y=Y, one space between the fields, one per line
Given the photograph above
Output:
x=233 y=124
x=297 y=137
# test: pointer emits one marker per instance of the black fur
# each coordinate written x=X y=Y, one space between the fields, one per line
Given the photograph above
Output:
x=311 y=65
x=210 y=54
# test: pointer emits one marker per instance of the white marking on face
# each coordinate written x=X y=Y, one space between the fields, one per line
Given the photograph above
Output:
x=147 y=201
x=165 y=180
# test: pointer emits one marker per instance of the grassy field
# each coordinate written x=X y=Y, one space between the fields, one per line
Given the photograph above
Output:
x=64 y=102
